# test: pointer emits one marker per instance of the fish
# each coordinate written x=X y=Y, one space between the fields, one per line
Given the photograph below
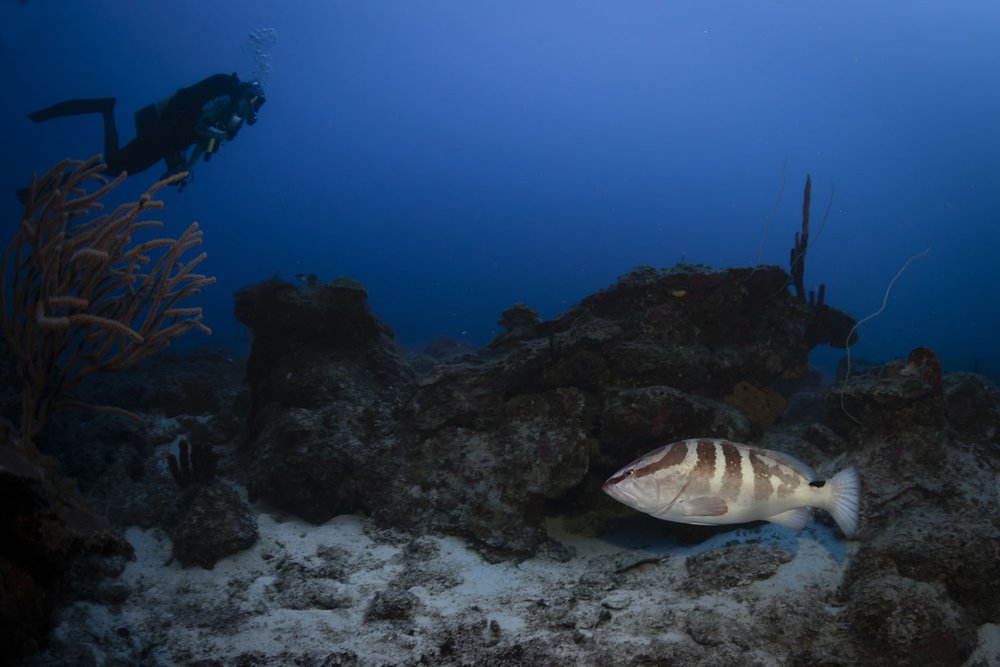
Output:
x=712 y=481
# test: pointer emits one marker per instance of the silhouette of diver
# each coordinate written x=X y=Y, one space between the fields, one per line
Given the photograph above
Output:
x=204 y=115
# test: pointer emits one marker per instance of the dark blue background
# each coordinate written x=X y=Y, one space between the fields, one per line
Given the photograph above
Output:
x=460 y=156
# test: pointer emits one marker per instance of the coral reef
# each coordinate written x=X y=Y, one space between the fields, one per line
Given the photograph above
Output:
x=329 y=393
x=761 y=406
x=452 y=505
x=78 y=296
x=481 y=443
x=44 y=527
x=192 y=465
x=923 y=363
x=505 y=448
x=930 y=557
x=797 y=255
x=214 y=521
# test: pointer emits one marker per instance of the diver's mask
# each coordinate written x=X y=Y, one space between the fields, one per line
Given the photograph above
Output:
x=255 y=99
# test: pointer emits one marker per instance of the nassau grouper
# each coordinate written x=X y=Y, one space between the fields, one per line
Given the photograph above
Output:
x=709 y=481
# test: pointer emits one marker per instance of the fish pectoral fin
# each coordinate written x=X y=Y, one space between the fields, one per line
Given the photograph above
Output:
x=794 y=519
x=704 y=506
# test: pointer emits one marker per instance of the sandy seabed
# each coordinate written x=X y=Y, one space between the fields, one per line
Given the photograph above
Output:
x=347 y=592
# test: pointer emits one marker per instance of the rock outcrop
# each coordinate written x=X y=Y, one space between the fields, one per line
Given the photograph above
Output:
x=480 y=443
x=487 y=444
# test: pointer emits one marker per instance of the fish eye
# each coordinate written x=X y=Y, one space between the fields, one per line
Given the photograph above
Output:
x=630 y=472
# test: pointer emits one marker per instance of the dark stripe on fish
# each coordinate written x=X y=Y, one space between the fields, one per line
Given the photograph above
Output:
x=674 y=455
x=788 y=478
x=732 y=480
x=700 y=480
x=761 y=477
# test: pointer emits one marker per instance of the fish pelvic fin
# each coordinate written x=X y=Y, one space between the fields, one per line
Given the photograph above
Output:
x=704 y=506
x=845 y=498
x=794 y=519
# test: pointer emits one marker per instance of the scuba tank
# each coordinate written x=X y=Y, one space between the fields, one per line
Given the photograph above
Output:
x=215 y=143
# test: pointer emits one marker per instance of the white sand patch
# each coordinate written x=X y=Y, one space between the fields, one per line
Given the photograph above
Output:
x=306 y=590
x=987 y=653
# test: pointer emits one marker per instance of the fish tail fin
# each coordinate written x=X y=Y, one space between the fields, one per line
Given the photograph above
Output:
x=845 y=496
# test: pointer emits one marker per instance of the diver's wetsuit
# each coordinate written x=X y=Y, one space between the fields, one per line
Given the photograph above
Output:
x=164 y=130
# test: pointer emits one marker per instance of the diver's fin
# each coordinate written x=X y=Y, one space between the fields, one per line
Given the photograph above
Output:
x=102 y=105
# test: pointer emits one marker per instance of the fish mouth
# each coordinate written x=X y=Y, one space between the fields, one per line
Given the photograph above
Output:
x=613 y=489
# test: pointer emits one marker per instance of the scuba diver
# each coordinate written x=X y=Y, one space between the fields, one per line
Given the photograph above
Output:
x=204 y=116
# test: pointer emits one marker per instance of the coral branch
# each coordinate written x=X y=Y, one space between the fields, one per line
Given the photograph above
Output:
x=76 y=296
x=798 y=252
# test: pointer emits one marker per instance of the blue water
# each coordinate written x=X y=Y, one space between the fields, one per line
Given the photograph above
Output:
x=459 y=156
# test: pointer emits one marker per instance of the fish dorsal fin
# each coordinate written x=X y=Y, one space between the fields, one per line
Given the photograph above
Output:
x=791 y=462
x=794 y=519
x=703 y=506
